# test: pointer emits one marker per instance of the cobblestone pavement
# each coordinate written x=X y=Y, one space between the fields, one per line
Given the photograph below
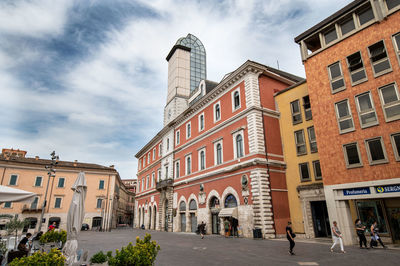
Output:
x=189 y=249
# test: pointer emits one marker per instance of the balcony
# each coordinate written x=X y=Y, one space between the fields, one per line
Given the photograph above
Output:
x=164 y=184
x=29 y=209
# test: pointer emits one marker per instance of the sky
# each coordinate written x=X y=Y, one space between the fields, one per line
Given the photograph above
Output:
x=88 y=78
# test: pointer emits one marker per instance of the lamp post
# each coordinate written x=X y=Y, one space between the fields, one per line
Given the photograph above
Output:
x=51 y=172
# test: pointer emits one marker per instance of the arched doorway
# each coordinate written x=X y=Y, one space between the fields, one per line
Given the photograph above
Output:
x=214 y=209
x=230 y=203
x=182 y=214
x=149 y=217
x=193 y=218
x=140 y=217
x=96 y=222
x=166 y=215
x=155 y=217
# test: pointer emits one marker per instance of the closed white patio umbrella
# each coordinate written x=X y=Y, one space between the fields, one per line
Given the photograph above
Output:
x=75 y=216
x=15 y=195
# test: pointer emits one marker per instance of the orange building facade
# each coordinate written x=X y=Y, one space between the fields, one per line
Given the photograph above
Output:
x=219 y=156
x=352 y=66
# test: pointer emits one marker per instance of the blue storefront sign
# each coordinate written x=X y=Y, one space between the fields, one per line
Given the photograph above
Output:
x=387 y=189
x=356 y=191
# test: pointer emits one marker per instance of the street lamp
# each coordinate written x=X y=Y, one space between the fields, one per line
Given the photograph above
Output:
x=51 y=172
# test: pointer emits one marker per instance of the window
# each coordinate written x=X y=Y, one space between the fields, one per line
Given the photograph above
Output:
x=379 y=58
x=307 y=107
x=356 y=68
x=57 y=202
x=101 y=184
x=154 y=153
x=202 y=159
x=230 y=201
x=168 y=144
x=336 y=77
x=304 y=172
x=296 y=113
x=38 y=181
x=142 y=184
x=61 y=182
x=344 y=117
x=159 y=149
x=396 y=44
x=99 y=203
x=34 y=203
x=188 y=164
x=391 y=4
x=370 y=211
x=217 y=112
x=13 y=180
x=390 y=102
x=330 y=35
x=144 y=161
x=153 y=179
x=395 y=138
x=347 y=26
x=365 y=15
x=300 y=142
x=366 y=110
x=188 y=130
x=177 y=169
x=239 y=145
x=178 y=137
x=201 y=122
x=235 y=99
x=7 y=205
x=147 y=182
x=317 y=170
x=218 y=153
x=140 y=163
x=352 y=155
x=376 y=151
x=138 y=185
x=159 y=174
x=148 y=157
x=312 y=139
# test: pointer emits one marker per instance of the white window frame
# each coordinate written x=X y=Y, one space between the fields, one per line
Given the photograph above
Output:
x=297 y=113
x=97 y=202
x=142 y=184
x=234 y=108
x=395 y=46
x=58 y=183
x=104 y=184
x=147 y=181
x=372 y=110
x=301 y=175
x=167 y=144
x=177 y=137
x=154 y=153
x=215 y=152
x=148 y=158
x=188 y=170
x=384 y=106
x=385 y=160
x=140 y=164
x=199 y=160
x=41 y=181
x=362 y=10
x=214 y=111
x=391 y=11
x=55 y=201
x=144 y=161
x=177 y=165
x=37 y=204
x=188 y=130
x=315 y=170
x=380 y=60
x=350 y=116
x=4 y=205
x=201 y=128
x=332 y=80
x=300 y=144
x=346 y=158
x=312 y=141
x=395 y=151
x=159 y=149
x=348 y=18
x=16 y=180
x=354 y=83
x=234 y=135
x=159 y=174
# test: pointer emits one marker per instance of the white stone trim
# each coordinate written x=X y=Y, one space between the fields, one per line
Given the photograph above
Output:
x=229 y=190
x=255 y=133
x=212 y=193
x=252 y=90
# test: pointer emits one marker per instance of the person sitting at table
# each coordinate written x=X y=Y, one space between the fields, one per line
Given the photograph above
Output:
x=23 y=245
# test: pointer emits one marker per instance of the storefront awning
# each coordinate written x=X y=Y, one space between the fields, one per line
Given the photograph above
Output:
x=229 y=212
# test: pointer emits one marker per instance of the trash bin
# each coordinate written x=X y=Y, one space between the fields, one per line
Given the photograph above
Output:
x=257 y=233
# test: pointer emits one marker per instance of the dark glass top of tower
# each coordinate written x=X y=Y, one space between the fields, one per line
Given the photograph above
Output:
x=197 y=59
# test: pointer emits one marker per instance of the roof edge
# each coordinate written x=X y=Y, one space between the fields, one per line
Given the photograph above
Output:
x=176 y=46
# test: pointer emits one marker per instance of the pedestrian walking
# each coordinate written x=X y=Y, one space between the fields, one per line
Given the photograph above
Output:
x=290 y=236
x=337 y=237
x=375 y=236
x=202 y=229
x=360 y=229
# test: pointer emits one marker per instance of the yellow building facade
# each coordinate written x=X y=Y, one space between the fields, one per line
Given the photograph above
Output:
x=307 y=204
x=108 y=203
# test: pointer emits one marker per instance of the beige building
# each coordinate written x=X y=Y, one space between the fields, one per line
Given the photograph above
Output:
x=108 y=202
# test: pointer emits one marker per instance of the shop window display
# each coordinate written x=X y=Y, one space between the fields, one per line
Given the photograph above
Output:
x=370 y=211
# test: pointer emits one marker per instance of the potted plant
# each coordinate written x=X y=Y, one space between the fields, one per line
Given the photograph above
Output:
x=99 y=259
x=53 y=258
x=15 y=225
x=53 y=237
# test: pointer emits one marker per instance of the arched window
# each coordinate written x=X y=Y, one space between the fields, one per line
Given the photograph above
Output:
x=178 y=135
x=236 y=100
x=167 y=144
x=217 y=112
x=239 y=146
x=188 y=165
x=176 y=169
x=182 y=206
x=201 y=122
x=230 y=201
x=188 y=131
x=219 y=153
x=214 y=202
x=202 y=160
x=192 y=205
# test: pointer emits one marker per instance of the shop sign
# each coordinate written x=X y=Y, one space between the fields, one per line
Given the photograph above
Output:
x=356 y=191
x=387 y=189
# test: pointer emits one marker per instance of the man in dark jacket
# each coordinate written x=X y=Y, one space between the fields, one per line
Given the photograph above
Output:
x=290 y=236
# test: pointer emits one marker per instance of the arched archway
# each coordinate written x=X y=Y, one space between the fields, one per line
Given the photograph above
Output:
x=182 y=214
x=140 y=217
x=214 y=210
x=193 y=217
x=155 y=217
x=230 y=201
x=150 y=218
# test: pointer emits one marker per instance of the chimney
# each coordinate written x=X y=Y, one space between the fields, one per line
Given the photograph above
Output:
x=112 y=166
x=76 y=163
x=36 y=158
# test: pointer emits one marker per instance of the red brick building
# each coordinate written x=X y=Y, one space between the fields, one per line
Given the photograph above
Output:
x=219 y=155
x=352 y=66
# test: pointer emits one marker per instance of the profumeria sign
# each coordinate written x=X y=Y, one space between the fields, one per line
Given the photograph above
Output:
x=356 y=191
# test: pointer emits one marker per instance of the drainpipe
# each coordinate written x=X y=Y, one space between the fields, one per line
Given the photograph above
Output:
x=2 y=177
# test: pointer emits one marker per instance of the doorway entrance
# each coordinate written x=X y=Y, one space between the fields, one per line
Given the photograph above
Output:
x=166 y=215
x=215 y=223
x=320 y=219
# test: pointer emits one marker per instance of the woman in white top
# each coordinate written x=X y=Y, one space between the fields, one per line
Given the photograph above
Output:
x=337 y=237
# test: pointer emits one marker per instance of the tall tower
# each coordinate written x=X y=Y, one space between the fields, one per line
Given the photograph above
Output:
x=186 y=68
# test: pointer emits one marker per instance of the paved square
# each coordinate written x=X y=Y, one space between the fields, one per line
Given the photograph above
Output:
x=189 y=249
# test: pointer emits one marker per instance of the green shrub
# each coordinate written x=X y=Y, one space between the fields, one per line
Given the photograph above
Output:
x=99 y=257
x=54 y=236
x=144 y=253
x=53 y=258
